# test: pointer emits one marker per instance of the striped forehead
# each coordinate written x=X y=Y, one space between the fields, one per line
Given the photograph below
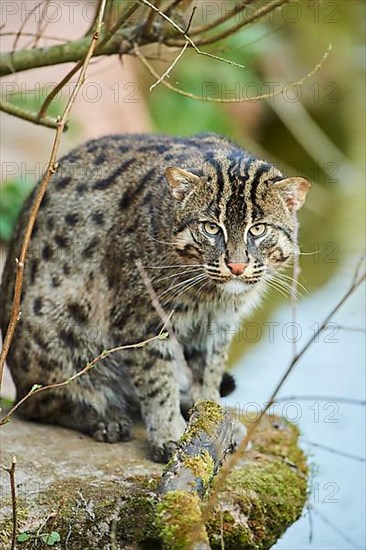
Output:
x=240 y=183
x=245 y=183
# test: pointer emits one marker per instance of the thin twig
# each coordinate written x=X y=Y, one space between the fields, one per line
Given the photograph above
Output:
x=351 y=329
x=360 y=262
x=51 y=169
x=311 y=525
x=190 y=20
x=54 y=515
x=232 y=461
x=294 y=283
x=329 y=398
x=20 y=31
x=150 y=18
x=92 y=25
x=170 y=68
x=125 y=15
x=188 y=39
x=209 y=99
x=11 y=472
x=334 y=451
x=261 y=12
x=175 y=345
x=235 y=10
x=40 y=29
x=336 y=528
x=105 y=353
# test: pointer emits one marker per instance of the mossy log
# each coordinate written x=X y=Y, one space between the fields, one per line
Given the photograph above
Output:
x=98 y=496
x=187 y=477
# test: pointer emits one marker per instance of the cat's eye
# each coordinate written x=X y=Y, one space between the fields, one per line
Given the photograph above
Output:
x=211 y=228
x=258 y=230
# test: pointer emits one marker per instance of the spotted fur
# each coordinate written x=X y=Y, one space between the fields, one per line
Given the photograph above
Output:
x=188 y=210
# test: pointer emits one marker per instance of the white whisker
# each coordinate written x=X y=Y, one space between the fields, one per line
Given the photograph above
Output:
x=189 y=287
x=181 y=283
x=161 y=242
x=200 y=289
x=179 y=274
x=170 y=266
x=293 y=281
x=274 y=286
x=286 y=286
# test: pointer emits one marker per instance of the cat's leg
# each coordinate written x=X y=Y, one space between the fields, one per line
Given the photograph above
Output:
x=84 y=413
x=153 y=376
x=97 y=403
x=213 y=372
x=209 y=369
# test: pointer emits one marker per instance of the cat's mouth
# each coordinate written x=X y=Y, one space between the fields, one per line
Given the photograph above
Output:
x=234 y=284
x=244 y=279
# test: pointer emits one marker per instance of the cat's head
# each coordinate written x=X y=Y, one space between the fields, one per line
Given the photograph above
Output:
x=236 y=219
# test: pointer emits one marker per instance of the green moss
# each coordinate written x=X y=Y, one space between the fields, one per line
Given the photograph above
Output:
x=6 y=525
x=223 y=528
x=270 y=496
x=179 y=519
x=282 y=442
x=84 y=512
x=201 y=466
x=259 y=501
x=5 y=533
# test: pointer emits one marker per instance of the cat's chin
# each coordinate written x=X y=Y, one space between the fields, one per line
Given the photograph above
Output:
x=236 y=286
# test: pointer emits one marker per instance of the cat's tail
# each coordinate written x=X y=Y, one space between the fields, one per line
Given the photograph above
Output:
x=227 y=385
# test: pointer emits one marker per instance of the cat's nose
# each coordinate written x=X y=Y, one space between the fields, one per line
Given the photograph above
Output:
x=237 y=269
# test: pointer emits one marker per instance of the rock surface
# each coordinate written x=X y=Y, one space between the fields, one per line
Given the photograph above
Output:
x=96 y=495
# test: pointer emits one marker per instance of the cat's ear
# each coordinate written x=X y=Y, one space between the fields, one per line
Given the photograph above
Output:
x=294 y=191
x=180 y=181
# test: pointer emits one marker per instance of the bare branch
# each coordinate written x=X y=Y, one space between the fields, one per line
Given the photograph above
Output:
x=238 y=8
x=11 y=472
x=334 y=451
x=176 y=347
x=37 y=388
x=261 y=12
x=153 y=72
x=336 y=528
x=125 y=15
x=295 y=281
x=51 y=168
x=188 y=39
x=330 y=398
x=360 y=263
x=151 y=17
x=14 y=110
x=170 y=68
x=26 y=19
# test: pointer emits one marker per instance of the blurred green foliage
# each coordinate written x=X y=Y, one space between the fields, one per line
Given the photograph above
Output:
x=14 y=192
x=12 y=195
x=200 y=75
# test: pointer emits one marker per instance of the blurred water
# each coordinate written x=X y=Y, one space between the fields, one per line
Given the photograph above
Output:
x=334 y=367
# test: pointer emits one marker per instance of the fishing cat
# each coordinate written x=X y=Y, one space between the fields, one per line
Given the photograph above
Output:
x=209 y=223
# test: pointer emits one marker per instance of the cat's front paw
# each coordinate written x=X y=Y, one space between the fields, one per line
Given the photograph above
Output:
x=164 y=441
x=163 y=453
x=112 y=432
